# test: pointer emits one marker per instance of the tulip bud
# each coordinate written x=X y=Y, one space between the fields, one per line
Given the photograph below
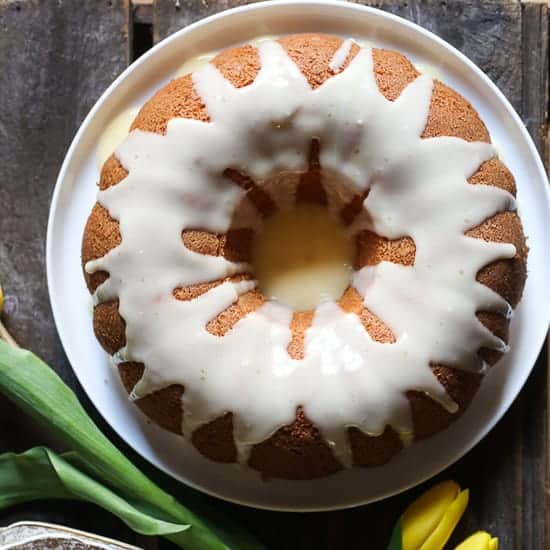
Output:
x=430 y=520
x=479 y=541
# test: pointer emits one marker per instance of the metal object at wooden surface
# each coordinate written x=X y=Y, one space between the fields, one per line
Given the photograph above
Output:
x=37 y=535
x=56 y=58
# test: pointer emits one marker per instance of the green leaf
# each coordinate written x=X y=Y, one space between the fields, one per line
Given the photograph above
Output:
x=41 y=474
x=31 y=384
x=396 y=540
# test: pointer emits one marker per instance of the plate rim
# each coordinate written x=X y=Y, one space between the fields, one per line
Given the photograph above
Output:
x=262 y=6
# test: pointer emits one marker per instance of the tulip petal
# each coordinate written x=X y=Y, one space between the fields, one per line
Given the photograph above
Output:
x=424 y=515
x=479 y=541
x=441 y=534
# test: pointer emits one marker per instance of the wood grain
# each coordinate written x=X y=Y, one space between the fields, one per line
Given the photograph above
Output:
x=534 y=429
x=534 y=57
x=170 y=16
x=56 y=58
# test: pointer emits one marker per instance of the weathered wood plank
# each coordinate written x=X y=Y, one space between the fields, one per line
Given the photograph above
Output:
x=532 y=467
x=55 y=60
x=487 y=32
x=534 y=105
x=170 y=16
x=534 y=111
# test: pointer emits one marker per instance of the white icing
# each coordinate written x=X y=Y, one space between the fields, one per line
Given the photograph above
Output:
x=194 y=63
x=418 y=188
x=261 y=39
x=113 y=135
x=363 y=43
x=430 y=70
x=338 y=61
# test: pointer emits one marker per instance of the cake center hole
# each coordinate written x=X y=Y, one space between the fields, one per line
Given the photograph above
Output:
x=302 y=257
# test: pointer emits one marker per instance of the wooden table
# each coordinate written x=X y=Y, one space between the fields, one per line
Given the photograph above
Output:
x=56 y=58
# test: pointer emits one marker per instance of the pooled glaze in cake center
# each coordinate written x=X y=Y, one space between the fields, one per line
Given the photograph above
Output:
x=418 y=188
x=302 y=257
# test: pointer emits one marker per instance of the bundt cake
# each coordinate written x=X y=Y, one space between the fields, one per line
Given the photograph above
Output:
x=404 y=162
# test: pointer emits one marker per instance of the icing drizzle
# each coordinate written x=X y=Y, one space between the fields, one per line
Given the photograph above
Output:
x=342 y=53
x=418 y=188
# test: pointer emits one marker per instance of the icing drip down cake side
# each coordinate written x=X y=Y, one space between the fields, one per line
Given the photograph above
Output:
x=403 y=163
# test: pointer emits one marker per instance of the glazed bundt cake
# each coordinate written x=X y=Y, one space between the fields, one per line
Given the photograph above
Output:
x=404 y=162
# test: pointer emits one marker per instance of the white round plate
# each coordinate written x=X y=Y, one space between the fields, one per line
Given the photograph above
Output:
x=75 y=194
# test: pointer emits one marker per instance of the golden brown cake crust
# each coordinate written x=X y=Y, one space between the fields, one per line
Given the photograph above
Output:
x=298 y=451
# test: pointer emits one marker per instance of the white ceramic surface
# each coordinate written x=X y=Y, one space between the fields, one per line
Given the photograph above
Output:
x=75 y=194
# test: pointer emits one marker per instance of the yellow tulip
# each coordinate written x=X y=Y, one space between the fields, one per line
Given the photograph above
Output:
x=429 y=521
x=479 y=541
